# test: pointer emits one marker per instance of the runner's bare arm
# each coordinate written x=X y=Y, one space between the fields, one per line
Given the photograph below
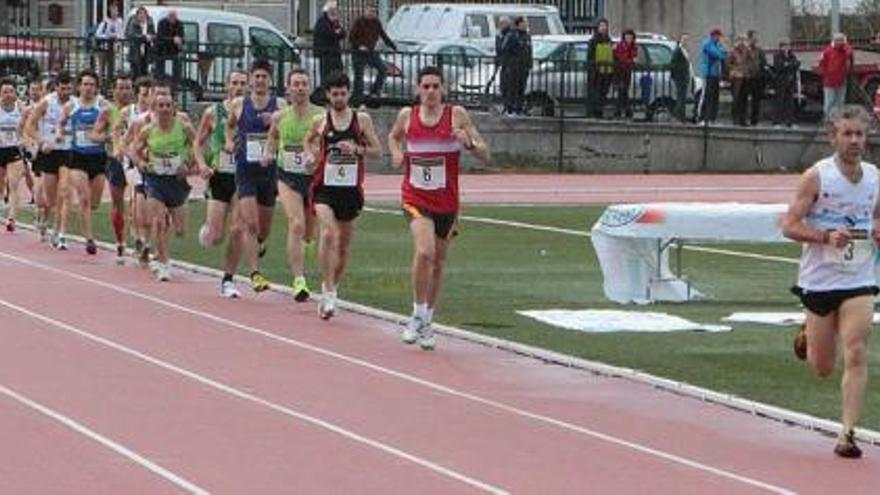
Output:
x=191 y=137
x=138 y=150
x=235 y=107
x=274 y=135
x=97 y=135
x=62 y=122
x=373 y=149
x=312 y=141
x=793 y=225
x=395 y=137
x=467 y=133
x=875 y=231
x=206 y=127
x=32 y=126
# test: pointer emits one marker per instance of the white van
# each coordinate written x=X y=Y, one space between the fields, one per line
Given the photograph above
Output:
x=216 y=41
x=416 y=24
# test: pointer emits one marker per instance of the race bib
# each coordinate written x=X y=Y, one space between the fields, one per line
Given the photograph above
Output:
x=341 y=169
x=294 y=160
x=82 y=137
x=852 y=257
x=225 y=164
x=167 y=165
x=255 y=147
x=8 y=137
x=427 y=173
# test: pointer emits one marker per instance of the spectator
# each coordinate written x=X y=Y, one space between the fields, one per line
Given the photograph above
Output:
x=365 y=33
x=713 y=54
x=757 y=79
x=109 y=32
x=680 y=71
x=600 y=68
x=740 y=65
x=519 y=50
x=328 y=35
x=140 y=34
x=835 y=66
x=785 y=77
x=502 y=65
x=625 y=53
x=169 y=44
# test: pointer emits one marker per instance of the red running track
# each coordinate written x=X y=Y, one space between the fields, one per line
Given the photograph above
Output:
x=113 y=383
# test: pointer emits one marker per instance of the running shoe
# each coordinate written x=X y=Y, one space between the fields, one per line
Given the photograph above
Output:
x=144 y=258
x=426 y=337
x=62 y=243
x=229 y=290
x=800 y=343
x=163 y=273
x=44 y=232
x=120 y=254
x=301 y=291
x=91 y=247
x=410 y=333
x=259 y=283
x=846 y=447
x=10 y=225
x=327 y=308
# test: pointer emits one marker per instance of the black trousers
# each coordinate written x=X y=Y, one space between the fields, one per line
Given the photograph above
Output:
x=709 y=101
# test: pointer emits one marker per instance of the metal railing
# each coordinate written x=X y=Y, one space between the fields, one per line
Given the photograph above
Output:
x=553 y=86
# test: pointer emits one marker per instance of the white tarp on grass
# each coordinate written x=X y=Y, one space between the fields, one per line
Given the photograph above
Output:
x=604 y=321
x=779 y=319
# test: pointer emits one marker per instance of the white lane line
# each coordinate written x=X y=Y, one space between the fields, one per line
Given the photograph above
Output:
x=106 y=442
x=581 y=233
x=470 y=191
x=412 y=379
x=230 y=390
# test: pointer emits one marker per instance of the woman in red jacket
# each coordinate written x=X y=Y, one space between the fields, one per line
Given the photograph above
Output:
x=625 y=54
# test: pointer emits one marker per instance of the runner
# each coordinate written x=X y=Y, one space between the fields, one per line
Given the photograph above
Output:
x=89 y=158
x=255 y=171
x=104 y=133
x=217 y=165
x=163 y=148
x=287 y=135
x=435 y=132
x=133 y=119
x=52 y=155
x=835 y=214
x=11 y=161
x=341 y=140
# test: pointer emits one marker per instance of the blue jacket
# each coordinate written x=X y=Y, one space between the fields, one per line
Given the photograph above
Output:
x=713 y=54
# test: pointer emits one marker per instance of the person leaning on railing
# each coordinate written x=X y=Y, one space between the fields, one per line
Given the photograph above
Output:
x=328 y=35
x=600 y=68
x=110 y=31
x=365 y=33
x=140 y=34
x=169 y=44
x=625 y=53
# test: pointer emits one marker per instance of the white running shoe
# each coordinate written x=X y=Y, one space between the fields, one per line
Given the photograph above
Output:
x=426 y=337
x=327 y=308
x=163 y=272
x=62 y=243
x=410 y=333
x=229 y=290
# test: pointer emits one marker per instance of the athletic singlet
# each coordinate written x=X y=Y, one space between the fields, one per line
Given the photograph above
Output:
x=431 y=164
x=168 y=152
x=252 y=135
x=841 y=204
x=292 y=133
x=337 y=169
x=53 y=114
x=82 y=122
x=218 y=158
x=10 y=121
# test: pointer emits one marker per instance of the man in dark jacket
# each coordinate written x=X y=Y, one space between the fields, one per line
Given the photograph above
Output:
x=757 y=77
x=365 y=33
x=502 y=65
x=785 y=73
x=600 y=68
x=680 y=71
x=140 y=34
x=328 y=34
x=518 y=48
x=169 y=43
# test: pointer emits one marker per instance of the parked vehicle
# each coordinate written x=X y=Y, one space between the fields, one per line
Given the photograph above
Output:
x=559 y=76
x=215 y=41
x=414 y=25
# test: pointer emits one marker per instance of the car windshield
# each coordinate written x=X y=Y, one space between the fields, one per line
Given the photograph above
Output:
x=542 y=50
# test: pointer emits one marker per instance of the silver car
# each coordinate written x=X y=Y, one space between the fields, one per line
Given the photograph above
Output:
x=559 y=76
